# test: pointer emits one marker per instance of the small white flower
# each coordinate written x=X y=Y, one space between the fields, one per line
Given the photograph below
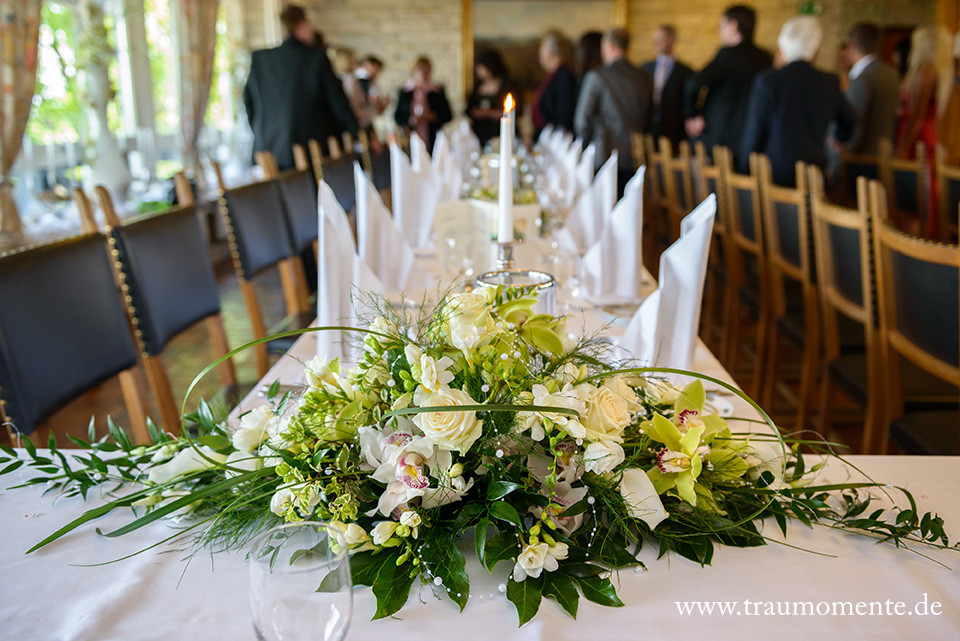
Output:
x=603 y=456
x=185 y=462
x=282 y=501
x=254 y=428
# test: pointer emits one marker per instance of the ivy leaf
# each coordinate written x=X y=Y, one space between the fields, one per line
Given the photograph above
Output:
x=446 y=561
x=562 y=588
x=526 y=596
x=499 y=489
x=599 y=591
x=502 y=546
x=505 y=512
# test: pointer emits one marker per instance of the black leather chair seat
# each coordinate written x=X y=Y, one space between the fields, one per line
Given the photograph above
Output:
x=932 y=432
x=921 y=390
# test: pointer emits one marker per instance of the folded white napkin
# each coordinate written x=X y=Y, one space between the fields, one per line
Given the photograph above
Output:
x=663 y=331
x=613 y=266
x=585 y=167
x=343 y=278
x=413 y=198
x=466 y=146
x=379 y=242
x=445 y=170
x=591 y=210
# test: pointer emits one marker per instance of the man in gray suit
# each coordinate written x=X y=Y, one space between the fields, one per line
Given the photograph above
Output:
x=615 y=101
x=873 y=91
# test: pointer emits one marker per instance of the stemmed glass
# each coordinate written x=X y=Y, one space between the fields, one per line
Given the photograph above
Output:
x=300 y=584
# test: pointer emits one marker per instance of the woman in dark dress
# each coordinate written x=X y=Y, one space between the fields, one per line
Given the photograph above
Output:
x=490 y=88
x=421 y=104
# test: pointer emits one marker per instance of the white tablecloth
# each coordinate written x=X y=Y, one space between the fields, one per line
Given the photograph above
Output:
x=49 y=595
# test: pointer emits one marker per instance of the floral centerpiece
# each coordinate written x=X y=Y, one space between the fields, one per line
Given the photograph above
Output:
x=480 y=423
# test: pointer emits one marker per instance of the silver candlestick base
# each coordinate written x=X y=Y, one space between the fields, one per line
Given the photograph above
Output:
x=508 y=275
x=505 y=258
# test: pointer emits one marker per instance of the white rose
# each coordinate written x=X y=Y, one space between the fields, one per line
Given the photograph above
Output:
x=619 y=386
x=185 y=462
x=767 y=457
x=465 y=337
x=450 y=430
x=641 y=498
x=434 y=374
x=607 y=415
x=382 y=531
x=466 y=307
x=601 y=457
x=254 y=427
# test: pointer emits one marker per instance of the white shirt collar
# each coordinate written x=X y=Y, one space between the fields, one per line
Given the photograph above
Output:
x=860 y=65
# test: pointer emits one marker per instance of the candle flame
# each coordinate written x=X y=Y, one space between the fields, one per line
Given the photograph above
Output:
x=508 y=104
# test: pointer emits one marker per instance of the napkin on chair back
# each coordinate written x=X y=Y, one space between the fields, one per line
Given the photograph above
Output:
x=613 y=266
x=379 y=242
x=663 y=331
x=413 y=197
x=340 y=273
x=585 y=167
x=445 y=170
x=593 y=207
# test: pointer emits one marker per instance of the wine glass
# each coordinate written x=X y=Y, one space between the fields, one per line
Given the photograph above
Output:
x=300 y=583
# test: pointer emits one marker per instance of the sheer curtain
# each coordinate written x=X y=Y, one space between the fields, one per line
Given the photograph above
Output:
x=19 y=35
x=197 y=38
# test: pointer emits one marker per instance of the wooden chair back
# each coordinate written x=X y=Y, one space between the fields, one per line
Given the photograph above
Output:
x=948 y=195
x=260 y=239
x=163 y=261
x=915 y=274
x=903 y=180
x=63 y=331
x=677 y=182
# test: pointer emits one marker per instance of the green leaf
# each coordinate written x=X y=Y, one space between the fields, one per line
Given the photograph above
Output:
x=91 y=430
x=52 y=442
x=502 y=546
x=505 y=512
x=13 y=466
x=499 y=489
x=445 y=560
x=214 y=441
x=274 y=390
x=364 y=566
x=9 y=450
x=562 y=588
x=526 y=596
x=582 y=570
x=391 y=587
x=599 y=591
x=467 y=514
x=480 y=538
x=30 y=447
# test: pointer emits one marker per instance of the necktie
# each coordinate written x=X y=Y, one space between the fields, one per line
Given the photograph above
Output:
x=659 y=79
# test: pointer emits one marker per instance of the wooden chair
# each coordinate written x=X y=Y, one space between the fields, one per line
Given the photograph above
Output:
x=637 y=149
x=852 y=167
x=63 y=331
x=260 y=240
x=333 y=148
x=706 y=181
x=677 y=182
x=948 y=195
x=163 y=263
x=316 y=159
x=656 y=213
x=846 y=286
x=915 y=274
x=747 y=284
x=786 y=222
x=903 y=181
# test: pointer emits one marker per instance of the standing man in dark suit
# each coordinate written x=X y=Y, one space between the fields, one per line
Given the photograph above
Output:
x=669 y=81
x=716 y=97
x=292 y=94
x=615 y=101
x=873 y=92
x=791 y=107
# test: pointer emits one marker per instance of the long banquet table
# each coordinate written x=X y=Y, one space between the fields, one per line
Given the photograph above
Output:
x=63 y=592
